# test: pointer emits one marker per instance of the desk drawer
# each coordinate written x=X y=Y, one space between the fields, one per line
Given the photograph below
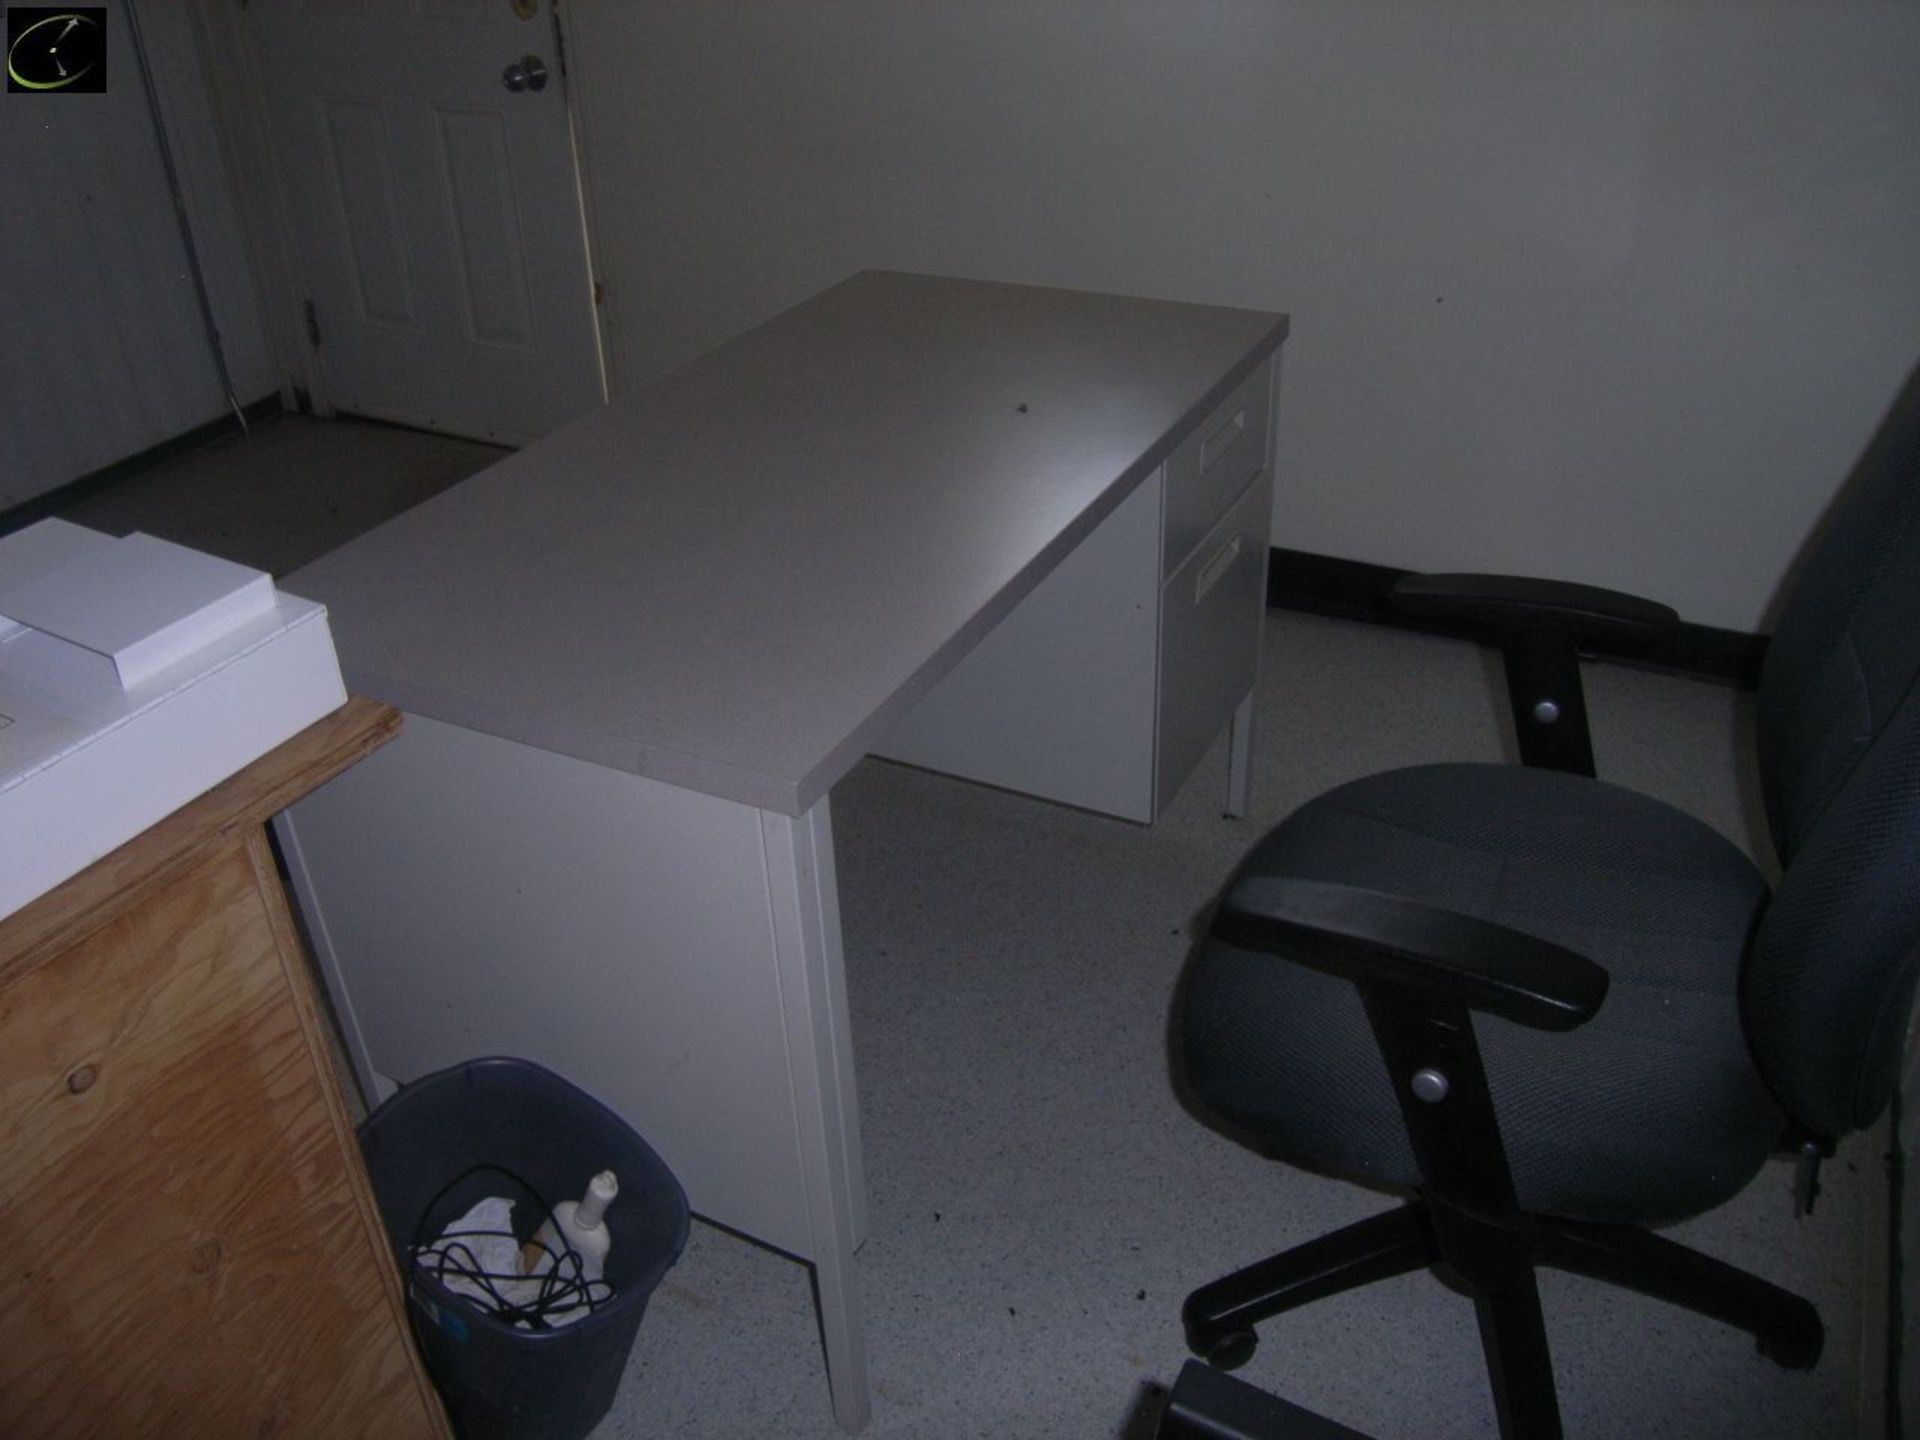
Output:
x=1210 y=615
x=1214 y=464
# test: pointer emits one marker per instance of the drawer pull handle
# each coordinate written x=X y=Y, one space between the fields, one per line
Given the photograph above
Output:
x=1211 y=572
x=1222 y=440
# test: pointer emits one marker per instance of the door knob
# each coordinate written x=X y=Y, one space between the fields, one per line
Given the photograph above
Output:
x=529 y=72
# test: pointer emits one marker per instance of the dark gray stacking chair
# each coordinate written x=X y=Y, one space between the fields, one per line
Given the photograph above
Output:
x=1557 y=1012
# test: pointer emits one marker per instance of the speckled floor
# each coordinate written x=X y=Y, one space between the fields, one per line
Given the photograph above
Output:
x=1040 y=1200
x=288 y=492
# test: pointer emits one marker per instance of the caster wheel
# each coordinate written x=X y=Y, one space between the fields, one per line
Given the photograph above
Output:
x=1795 y=1347
x=1223 y=1349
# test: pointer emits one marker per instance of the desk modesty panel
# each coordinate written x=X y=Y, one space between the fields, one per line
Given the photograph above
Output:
x=736 y=579
x=1106 y=684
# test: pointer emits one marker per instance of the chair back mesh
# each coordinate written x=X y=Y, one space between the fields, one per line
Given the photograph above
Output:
x=1831 y=974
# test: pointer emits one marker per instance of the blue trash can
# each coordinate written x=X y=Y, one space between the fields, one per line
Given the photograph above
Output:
x=502 y=1382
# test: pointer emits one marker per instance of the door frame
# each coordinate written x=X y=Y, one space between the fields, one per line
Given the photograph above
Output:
x=235 y=80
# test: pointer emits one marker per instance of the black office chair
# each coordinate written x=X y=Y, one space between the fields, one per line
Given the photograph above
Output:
x=1558 y=1012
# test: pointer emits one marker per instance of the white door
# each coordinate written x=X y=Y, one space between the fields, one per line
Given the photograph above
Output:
x=428 y=169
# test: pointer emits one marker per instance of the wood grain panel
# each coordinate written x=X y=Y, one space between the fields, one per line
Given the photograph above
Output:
x=193 y=1248
x=174 y=1193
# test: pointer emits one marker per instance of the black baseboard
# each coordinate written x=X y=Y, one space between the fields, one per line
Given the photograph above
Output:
x=1355 y=590
x=52 y=502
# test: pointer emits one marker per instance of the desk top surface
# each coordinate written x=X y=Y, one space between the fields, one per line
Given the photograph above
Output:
x=735 y=579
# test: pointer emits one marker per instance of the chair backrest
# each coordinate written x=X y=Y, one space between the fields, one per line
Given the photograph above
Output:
x=1830 y=975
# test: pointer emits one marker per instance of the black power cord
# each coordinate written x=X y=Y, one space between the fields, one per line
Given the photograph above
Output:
x=563 y=1286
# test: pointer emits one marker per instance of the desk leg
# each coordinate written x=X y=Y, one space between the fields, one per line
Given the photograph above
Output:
x=804 y=897
x=1240 y=760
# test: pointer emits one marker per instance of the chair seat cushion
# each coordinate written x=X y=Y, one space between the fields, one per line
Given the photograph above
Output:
x=1649 y=1112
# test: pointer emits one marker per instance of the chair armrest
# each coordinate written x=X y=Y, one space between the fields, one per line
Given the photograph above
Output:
x=1366 y=935
x=1515 y=602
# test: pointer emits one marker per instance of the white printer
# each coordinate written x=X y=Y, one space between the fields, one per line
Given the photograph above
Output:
x=134 y=675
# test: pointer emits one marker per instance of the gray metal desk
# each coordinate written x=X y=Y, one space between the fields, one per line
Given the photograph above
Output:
x=1015 y=533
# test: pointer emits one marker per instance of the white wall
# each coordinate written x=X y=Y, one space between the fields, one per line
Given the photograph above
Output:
x=1609 y=290
x=103 y=349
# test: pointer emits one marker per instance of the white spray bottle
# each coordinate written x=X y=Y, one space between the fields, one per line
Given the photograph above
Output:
x=576 y=1225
